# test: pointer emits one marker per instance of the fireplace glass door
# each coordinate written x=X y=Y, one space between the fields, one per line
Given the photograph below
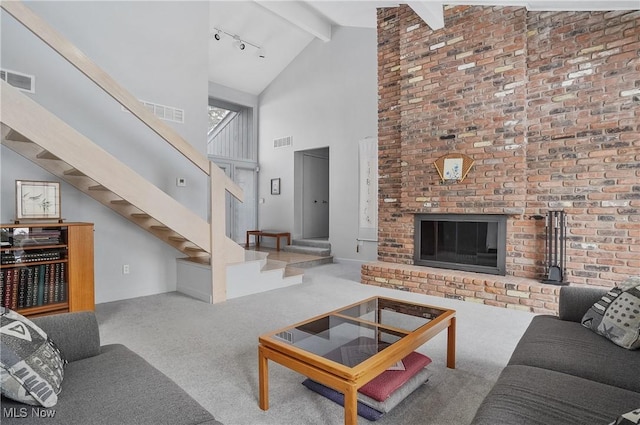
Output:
x=461 y=242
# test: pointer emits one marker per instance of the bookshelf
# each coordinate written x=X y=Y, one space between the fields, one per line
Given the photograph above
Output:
x=47 y=268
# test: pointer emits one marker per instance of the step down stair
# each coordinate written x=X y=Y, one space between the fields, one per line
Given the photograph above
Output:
x=318 y=248
x=255 y=275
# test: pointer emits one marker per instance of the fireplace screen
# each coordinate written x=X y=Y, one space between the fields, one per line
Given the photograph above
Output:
x=461 y=242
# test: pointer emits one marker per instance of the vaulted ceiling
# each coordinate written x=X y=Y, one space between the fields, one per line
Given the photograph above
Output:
x=280 y=30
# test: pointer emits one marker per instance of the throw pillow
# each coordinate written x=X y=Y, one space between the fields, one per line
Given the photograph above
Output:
x=630 y=418
x=364 y=410
x=394 y=399
x=31 y=367
x=616 y=316
x=381 y=387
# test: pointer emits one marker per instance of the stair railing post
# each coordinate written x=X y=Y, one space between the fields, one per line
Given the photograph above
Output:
x=218 y=235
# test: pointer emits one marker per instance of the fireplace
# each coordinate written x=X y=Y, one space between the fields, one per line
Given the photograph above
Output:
x=469 y=242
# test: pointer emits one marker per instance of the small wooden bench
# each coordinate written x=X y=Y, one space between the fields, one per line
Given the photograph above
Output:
x=269 y=233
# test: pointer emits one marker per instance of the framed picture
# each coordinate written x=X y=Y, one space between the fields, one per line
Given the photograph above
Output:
x=453 y=167
x=275 y=186
x=37 y=200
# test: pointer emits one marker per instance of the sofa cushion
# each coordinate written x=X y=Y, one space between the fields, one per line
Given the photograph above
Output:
x=526 y=395
x=616 y=316
x=554 y=344
x=120 y=387
x=31 y=367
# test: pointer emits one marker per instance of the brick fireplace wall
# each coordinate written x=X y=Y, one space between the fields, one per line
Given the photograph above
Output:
x=547 y=104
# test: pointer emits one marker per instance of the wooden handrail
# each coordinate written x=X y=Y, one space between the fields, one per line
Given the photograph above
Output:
x=36 y=123
x=79 y=60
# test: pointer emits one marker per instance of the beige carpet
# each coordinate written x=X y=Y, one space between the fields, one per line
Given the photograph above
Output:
x=211 y=350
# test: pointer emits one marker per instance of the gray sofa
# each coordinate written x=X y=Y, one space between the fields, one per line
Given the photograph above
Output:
x=563 y=373
x=107 y=384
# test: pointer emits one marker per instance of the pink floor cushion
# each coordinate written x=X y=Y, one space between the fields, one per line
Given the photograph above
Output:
x=381 y=387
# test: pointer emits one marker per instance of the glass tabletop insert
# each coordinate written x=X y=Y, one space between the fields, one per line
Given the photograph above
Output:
x=352 y=335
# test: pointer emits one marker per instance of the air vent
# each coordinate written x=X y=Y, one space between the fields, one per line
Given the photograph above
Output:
x=167 y=113
x=19 y=80
x=282 y=142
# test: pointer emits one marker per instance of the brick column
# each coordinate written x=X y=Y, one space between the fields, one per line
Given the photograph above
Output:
x=389 y=134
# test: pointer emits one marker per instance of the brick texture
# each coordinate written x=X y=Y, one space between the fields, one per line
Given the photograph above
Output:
x=548 y=106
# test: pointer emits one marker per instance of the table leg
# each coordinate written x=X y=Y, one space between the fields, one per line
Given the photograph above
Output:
x=288 y=238
x=451 y=344
x=263 y=374
x=351 y=406
x=277 y=243
x=247 y=243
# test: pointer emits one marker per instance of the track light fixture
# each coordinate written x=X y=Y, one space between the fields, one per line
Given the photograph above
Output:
x=238 y=42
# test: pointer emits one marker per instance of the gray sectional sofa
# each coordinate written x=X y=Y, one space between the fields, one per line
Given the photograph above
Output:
x=107 y=384
x=563 y=373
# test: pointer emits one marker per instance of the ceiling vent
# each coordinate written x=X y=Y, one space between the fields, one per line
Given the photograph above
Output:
x=282 y=142
x=19 y=80
x=163 y=112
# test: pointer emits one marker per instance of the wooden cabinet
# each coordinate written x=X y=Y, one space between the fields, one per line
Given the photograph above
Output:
x=47 y=268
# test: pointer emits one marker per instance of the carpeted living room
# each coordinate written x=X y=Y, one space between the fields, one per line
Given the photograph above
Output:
x=513 y=125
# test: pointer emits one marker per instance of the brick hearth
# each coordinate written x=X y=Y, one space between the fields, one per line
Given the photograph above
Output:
x=501 y=291
x=547 y=104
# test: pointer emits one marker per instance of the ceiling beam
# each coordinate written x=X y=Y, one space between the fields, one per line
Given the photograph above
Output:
x=431 y=13
x=301 y=16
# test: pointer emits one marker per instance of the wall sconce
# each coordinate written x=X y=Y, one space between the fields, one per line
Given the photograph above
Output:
x=238 y=42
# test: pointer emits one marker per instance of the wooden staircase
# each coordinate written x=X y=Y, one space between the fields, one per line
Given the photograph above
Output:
x=35 y=133
x=76 y=177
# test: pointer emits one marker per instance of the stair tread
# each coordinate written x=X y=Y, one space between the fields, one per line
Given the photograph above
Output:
x=140 y=215
x=320 y=252
x=177 y=238
x=121 y=202
x=47 y=155
x=98 y=187
x=16 y=137
x=312 y=243
x=74 y=172
x=194 y=248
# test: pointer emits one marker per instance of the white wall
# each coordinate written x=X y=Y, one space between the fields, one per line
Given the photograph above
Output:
x=326 y=97
x=158 y=51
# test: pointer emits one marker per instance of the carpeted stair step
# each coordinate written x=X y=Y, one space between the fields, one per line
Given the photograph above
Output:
x=317 y=248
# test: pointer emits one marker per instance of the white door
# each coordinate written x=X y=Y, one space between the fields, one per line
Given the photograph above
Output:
x=315 y=206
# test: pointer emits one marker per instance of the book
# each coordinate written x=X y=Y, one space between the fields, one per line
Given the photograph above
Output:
x=41 y=281
x=63 y=282
x=36 y=283
x=3 y=277
x=45 y=285
x=22 y=287
x=6 y=302
x=15 y=282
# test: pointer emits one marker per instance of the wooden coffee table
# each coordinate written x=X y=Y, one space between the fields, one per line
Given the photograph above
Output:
x=316 y=347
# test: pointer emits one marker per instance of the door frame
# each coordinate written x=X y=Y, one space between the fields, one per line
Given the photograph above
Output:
x=229 y=167
x=299 y=187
